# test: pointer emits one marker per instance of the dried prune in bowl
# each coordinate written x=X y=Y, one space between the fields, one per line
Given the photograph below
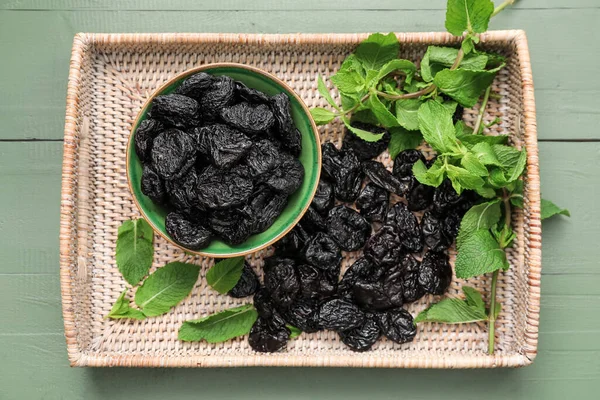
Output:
x=263 y=208
x=173 y=154
x=287 y=177
x=176 y=110
x=230 y=225
x=152 y=185
x=195 y=85
x=224 y=146
x=144 y=138
x=250 y=95
x=348 y=228
x=218 y=189
x=262 y=158
x=287 y=133
x=218 y=95
x=189 y=234
x=248 y=118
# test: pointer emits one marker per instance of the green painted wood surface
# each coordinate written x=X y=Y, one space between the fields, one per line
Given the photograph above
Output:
x=35 y=41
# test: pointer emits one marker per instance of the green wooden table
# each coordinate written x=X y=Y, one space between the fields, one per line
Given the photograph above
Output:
x=35 y=43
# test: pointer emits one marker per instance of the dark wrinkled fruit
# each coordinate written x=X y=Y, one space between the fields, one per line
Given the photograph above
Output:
x=314 y=285
x=267 y=336
x=292 y=243
x=433 y=232
x=397 y=325
x=248 y=118
x=195 y=85
x=458 y=113
x=407 y=226
x=218 y=189
x=419 y=197
x=348 y=228
x=363 y=337
x=289 y=136
x=404 y=161
x=176 y=110
x=303 y=315
x=451 y=225
x=263 y=208
x=186 y=233
x=219 y=94
x=340 y=315
x=370 y=295
x=231 y=225
x=409 y=270
x=173 y=153
x=287 y=177
x=383 y=178
x=362 y=268
x=152 y=185
x=144 y=138
x=182 y=193
x=262 y=158
x=324 y=197
x=250 y=95
x=435 y=273
x=373 y=202
x=223 y=145
x=445 y=197
x=384 y=247
x=322 y=252
x=281 y=280
x=344 y=169
x=313 y=222
x=365 y=150
x=263 y=303
x=247 y=285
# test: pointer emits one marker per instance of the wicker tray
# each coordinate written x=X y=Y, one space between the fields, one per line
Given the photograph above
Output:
x=110 y=77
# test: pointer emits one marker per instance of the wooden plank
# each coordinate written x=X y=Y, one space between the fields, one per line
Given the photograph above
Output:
x=269 y=5
x=32 y=105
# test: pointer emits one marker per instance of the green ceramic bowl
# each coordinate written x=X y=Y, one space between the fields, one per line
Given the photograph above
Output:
x=310 y=158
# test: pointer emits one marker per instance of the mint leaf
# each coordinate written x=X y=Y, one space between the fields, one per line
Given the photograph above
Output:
x=381 y=112
x=482 y=216
x=450 y=106
x=377 y=50
x=549 y=209
x=407 y=113
x=408 y=67
x=436 y=125
x=432 y=176
x=504 y=235
x=166 y=287
x=295 y=332
x=438 y=58
x=325 y=92
x=473 y=298
x=365 y=116
x=134 y=251
x=451 y=311
x=512 y=161
x=468 y=15
x=463 y=85
x=225 y=274
x=349 y=82
x=121 y=309
x=364 y=135
x=463 y=179
x=463 y=131
x=321 y=115
x=485 y=154
x=219 y=327
x=479 y=254
x=401 y=140
x=467 y=45
x=473 y=165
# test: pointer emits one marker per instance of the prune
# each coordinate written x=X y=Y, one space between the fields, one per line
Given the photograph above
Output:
x=407 y=226
x=195 y=85
x=445 y=197
x=292 y=243
x=322 y=252
x=313 y=222
x=287 y=177
x=250 y=95
x=267 y=336
x=433 y=232
x=289 y=136
x=224 y=146
x=218 y=95
x=384 y=247
x=218 y=189
x=314 y=285
x=281 y=280
x=247 y=285
x=458 y=113
x=340 y=315
x=363 y=337
x=365 y=150
x=451 y=225
x=231 y=225
x=144 y=138
x=383 y=178
x=344 y=169
x=264 y=207
x=152 y=185
x=262 y=157
x=362 y=268
x=370 y=295
x=411 y=290
x=404 y=161
x=173 y=154
x=182 y=193
x=397 y=325
x=186 y=233
x=324 y=197
x=373 y=202
x=176 y=110
x=435 y=273
x=264 y=304
x=248 y=118
x=348 y=228
x=303 y=315
x=419 y=197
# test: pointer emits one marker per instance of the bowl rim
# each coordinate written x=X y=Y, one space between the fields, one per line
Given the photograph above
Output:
x=185 y=74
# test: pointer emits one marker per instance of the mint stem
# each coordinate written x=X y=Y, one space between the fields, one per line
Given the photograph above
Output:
x=502 y=6
x=459 y=58
x=414 y=95
x=486 y=96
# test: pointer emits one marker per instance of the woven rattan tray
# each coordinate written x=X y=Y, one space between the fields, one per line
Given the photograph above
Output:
x=110 y=77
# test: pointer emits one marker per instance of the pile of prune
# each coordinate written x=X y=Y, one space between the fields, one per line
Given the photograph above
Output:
x=222 y=159
x=404 y=254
